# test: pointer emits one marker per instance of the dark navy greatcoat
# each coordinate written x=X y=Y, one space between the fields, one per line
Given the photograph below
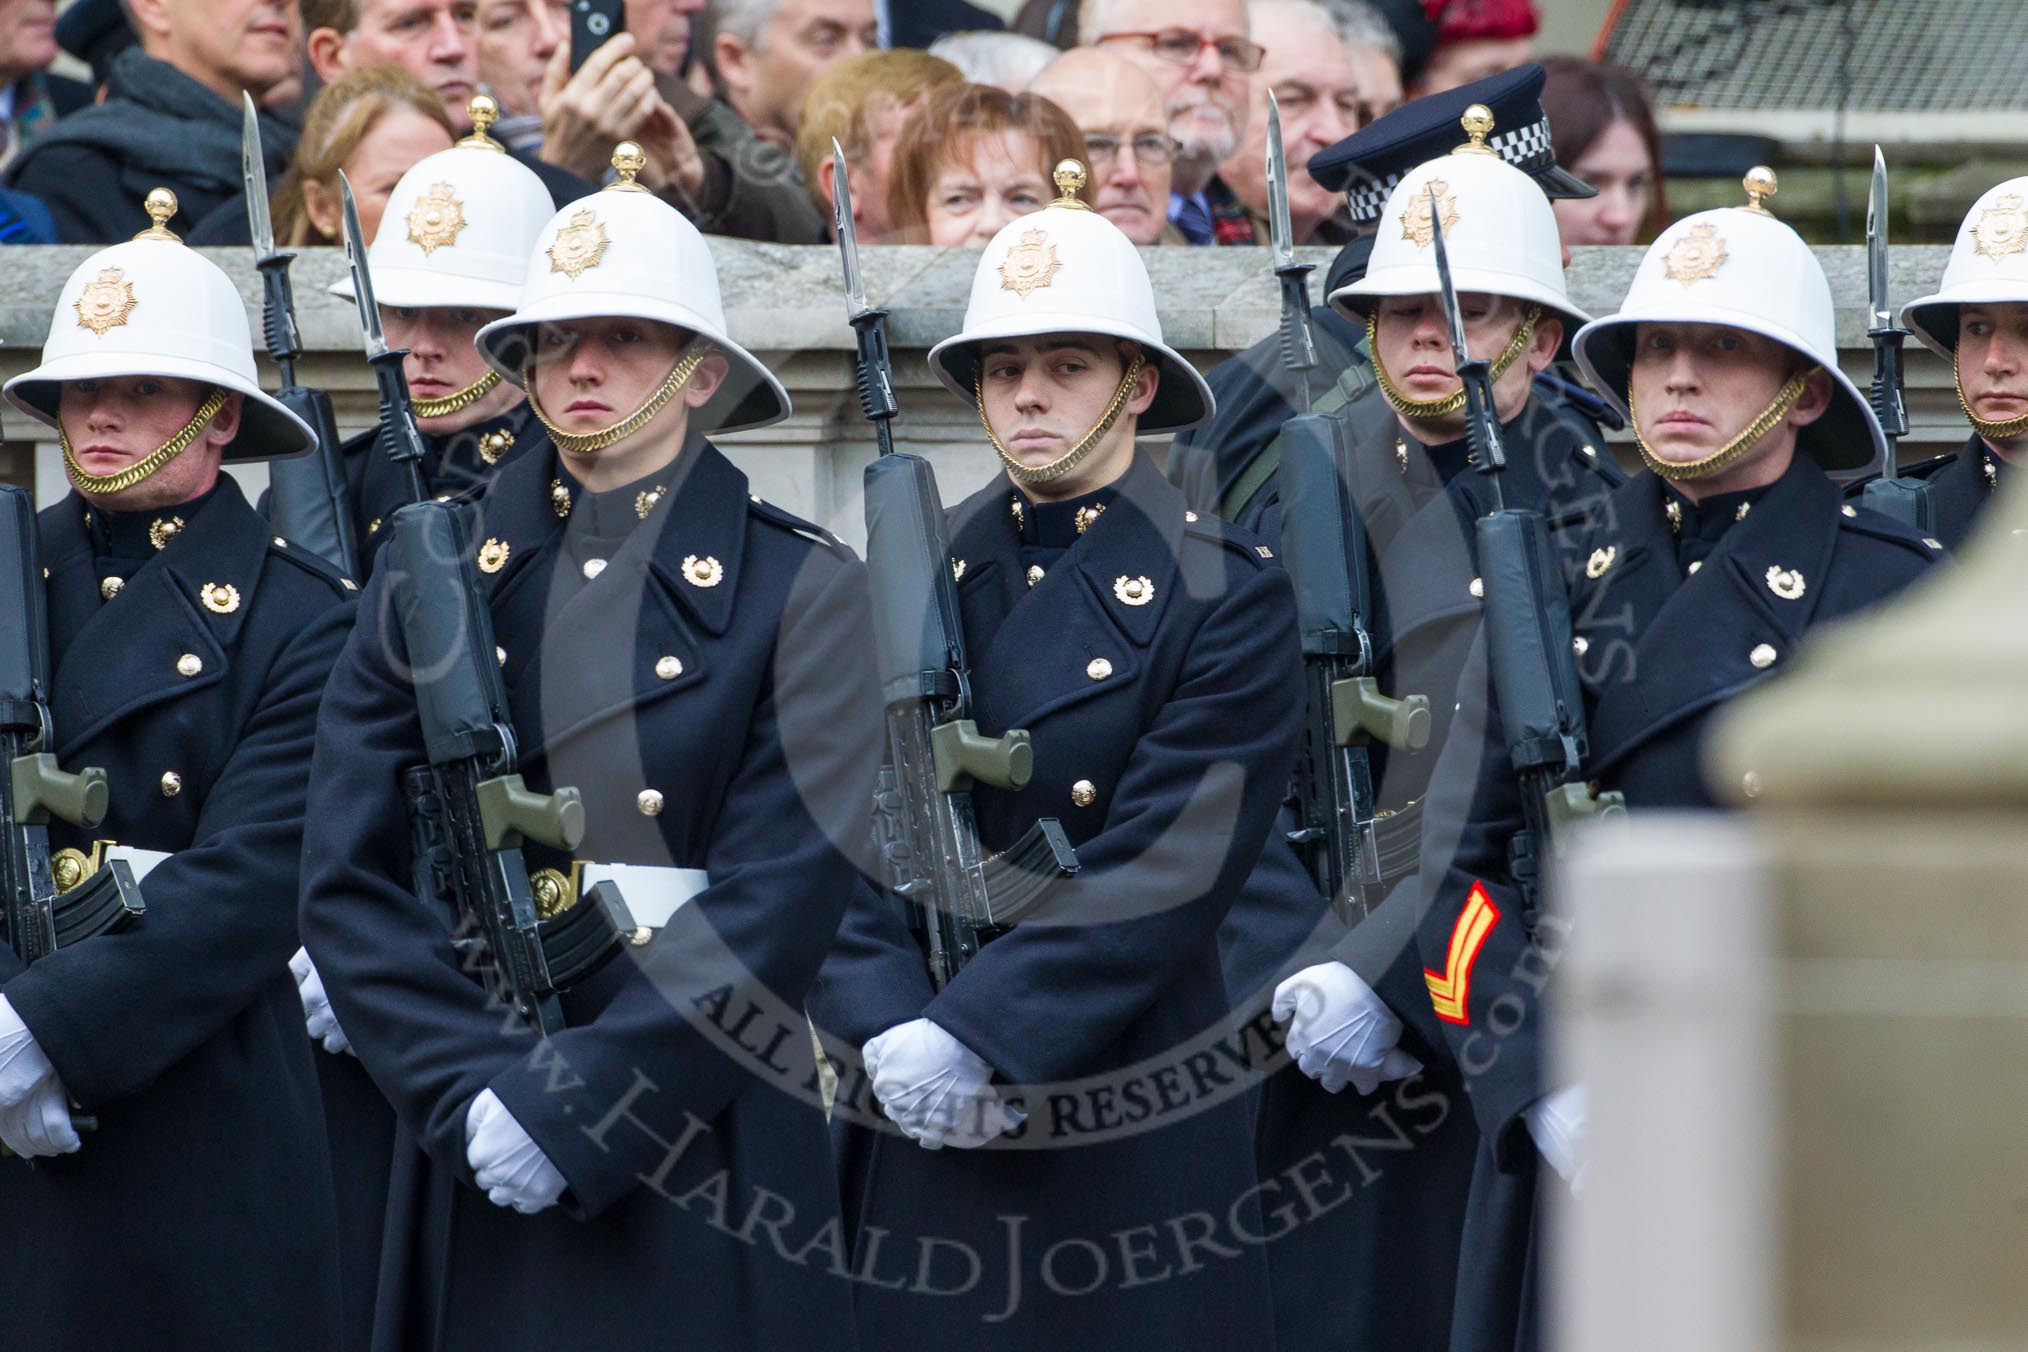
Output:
x=200 y=1211
x=457 y=463
x=1164 y=730
x=1378 y=1269
x=1663 y=646
x=1961 y=485
x=706 y=693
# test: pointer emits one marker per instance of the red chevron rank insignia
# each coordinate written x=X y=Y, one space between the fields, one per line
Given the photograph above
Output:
x=1451 y=988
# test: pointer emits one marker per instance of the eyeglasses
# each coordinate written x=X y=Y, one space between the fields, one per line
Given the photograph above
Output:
x=1150 y=151
x=1182 y=47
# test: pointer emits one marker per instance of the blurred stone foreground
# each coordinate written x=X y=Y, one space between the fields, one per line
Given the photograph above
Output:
x=1805 y=1024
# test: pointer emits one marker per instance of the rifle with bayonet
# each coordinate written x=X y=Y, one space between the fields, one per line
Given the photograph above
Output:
x=470 y=811
x=1324 y=550
x=49 y=901
x=1909 y=501
x=307 y=498
x=925 y=829
x=1528 y=633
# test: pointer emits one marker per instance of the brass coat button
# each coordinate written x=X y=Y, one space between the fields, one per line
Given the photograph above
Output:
x=1098 y=668
x=189 y=664
x=1477 y=589
x=1749 y=783
x=1762 y=656
x=500 y=655
x=669 y=668
x=172 y=783
x=110 y=587
x=1580 y=645
x=1084 y=793
x=1034 y=573
x=593 y=567
x=649 y=801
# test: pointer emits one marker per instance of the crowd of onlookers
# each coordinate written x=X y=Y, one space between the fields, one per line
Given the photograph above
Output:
x=951 y=123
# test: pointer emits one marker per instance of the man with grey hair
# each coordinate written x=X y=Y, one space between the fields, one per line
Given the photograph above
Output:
x=1008 y=61
x=1311 y=71
x=764 y=54
x=1202 y=57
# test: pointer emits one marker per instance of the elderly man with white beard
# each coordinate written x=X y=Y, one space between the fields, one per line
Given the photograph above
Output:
x=1203 y=57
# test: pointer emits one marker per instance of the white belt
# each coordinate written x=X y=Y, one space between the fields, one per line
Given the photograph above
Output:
x=142 y=862
x=652 y=893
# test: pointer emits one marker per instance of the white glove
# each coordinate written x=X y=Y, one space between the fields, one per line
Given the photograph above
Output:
x=935 y=1088
x=40 y=1124
x=511 y=1169
x=34 y=1109
x=318 y=1016
x=1558 y=1124
x=1340 y=1032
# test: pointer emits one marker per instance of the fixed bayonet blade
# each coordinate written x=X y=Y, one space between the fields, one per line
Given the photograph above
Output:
x=362 y=282
x=848 y=236
x=1876 y=243
x=1279 y=230
x=253 y=168
x=1453 y=313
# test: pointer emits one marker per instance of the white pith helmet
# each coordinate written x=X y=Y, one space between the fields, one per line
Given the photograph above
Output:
x=151 y=307
x=625 y=253
x=1067 y=269
x=1740 y=267
x=458 y=228
x=1988 y=264
x=1499 y=234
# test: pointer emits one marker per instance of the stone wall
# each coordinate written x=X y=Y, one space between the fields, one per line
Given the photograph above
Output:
x=785 y=304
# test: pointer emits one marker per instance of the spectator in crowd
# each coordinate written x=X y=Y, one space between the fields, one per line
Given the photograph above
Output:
x=1053 y=21
x=1603 y=129
x=1007 y=61
x=31 y=99
x=1118 y=110
x=971 y=159
x=515 y=39
x=171 y=118
x=95 y=31
x=1310 y=71
x=765 y=54
x=1375 y=48
x=919 y=23
x=862 y=103
x=373 y=124
x=1201 y=56
x=434 y=40
x=1477 y=38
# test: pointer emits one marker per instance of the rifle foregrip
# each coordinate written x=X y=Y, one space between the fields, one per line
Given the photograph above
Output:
x=1528 y=643
x=1323 y=538
x=917 y=638
x=448 y=631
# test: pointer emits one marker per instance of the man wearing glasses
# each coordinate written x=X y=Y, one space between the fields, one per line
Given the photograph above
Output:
x=1118 y=110
x=1202 y=59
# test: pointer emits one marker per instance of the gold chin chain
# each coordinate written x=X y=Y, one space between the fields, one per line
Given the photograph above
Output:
x=1991 y=431
x=148 y=464
x=1065 y=463
x=1784 y=400
x=588 y=443
x=1455 y=400
x=454 y=403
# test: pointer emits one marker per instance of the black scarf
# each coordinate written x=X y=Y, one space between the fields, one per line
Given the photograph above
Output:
x=164 y=128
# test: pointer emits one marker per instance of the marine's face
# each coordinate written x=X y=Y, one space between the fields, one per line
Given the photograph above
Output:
x=592 y=373
x=115 y=421
x=1993 y=361
x=443 y=360
x=1412 y=341
x=1695 y=387
x=1041 y=395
